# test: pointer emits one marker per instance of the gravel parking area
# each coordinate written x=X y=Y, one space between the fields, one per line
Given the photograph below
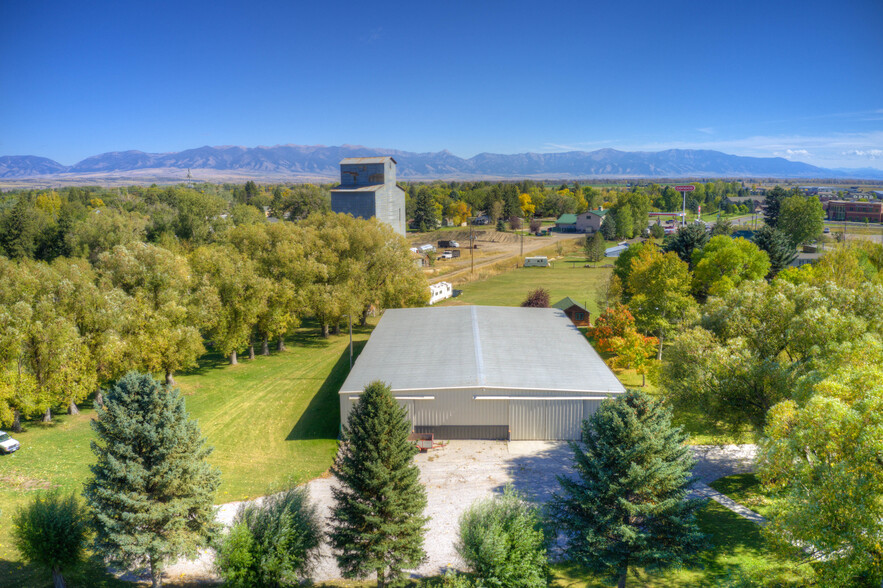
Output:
x=463 y=471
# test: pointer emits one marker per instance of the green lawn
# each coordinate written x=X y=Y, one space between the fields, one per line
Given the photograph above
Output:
x=736 y=545
x=272 y=421
x=746 y=490
x=512 y=287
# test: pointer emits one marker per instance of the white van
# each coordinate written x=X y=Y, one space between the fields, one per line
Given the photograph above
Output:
x=539 y=261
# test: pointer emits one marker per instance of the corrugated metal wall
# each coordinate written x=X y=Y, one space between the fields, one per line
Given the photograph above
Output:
x=456 y=412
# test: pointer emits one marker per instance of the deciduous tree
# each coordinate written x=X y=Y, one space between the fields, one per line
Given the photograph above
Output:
x=802 y=219
x=660 y=284
x=724 y=263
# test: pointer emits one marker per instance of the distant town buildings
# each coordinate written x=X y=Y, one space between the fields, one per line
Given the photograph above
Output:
x=368 y=189
x=849 y=210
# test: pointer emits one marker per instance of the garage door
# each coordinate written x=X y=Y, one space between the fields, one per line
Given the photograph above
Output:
x=545 y=419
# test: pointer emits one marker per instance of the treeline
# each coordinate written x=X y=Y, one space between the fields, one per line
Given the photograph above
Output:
x=71 y=326
x=83 y=222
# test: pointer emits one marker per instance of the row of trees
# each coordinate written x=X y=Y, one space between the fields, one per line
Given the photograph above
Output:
x=69 y=327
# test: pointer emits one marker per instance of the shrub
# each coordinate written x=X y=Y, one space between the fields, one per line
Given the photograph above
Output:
x=51 y=532
x=538 y=298
x=503 y=543
x=273 y=544
x=657 y=231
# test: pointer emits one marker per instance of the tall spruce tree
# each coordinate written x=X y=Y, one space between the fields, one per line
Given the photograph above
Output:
x=595 y=246
x=378 y=522
x=608 y=226
x=687 y=240
x=152 y=490
x=628 y=507
x=772 y=205
x=777 y=245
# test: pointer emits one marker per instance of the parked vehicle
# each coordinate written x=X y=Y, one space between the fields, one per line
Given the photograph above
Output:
x=444 y=244
x=7 y=443
x=446 y=255
x=538 y=261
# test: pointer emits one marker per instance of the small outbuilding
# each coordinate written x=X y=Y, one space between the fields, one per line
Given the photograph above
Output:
x=576 y=312
x=484 y=372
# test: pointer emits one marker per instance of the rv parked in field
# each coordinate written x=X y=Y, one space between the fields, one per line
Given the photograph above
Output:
x=538 y=261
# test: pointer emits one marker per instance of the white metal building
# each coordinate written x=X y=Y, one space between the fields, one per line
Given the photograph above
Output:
x=484 y=372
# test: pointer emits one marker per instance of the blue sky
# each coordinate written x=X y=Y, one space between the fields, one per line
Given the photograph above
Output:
x=797 y=79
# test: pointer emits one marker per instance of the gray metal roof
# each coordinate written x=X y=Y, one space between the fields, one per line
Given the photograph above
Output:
x=364 y=160
x=480 y=347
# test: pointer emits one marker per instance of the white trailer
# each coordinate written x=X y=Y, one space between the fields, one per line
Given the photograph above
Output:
x=538 y=261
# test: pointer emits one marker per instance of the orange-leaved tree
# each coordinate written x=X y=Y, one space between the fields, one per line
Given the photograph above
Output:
x=612 y=322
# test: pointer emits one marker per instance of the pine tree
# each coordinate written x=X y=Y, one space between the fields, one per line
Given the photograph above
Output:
x=608 y=226
x=378 y=521
x=595 y=246
x=777 y=246
x=772 y=204
x=629 y=505
x=152 y=490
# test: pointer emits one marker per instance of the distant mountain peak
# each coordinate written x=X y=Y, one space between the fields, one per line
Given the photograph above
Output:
x=293 y=162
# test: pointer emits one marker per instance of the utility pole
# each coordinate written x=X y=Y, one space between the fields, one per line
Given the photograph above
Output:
x=472 y=245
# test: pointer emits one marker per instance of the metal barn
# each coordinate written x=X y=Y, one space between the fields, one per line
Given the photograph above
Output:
x=484 y=372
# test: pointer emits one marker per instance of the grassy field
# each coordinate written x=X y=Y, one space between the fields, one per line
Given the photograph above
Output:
x=272 y=421
x=511 y=288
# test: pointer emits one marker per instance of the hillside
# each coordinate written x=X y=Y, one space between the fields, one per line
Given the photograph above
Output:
x=302 y=162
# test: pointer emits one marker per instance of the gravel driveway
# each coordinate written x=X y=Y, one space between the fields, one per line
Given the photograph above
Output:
x=464 y=471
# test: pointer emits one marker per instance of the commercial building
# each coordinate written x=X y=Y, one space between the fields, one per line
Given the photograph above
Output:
x=847 y=210
x=368 y=189
x=484 y=372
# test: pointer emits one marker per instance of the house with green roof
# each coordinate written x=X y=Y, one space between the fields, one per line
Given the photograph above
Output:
x=576 y=312
x=586 y=222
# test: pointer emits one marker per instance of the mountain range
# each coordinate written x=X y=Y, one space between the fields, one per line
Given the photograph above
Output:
x=303 y=162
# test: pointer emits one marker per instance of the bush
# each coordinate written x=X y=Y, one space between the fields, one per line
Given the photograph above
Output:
x=503 y=543
x=51 y=532
x=273 y=544
x=538 y=298
x=657 y=231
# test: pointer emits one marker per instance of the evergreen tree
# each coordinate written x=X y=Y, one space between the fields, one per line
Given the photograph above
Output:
x=425 y=218
x=378 y=512
x=687 y=240
x=595 y=246
x=608 y=226
x=19 y=230
x=152 y=491
x=628 y=507
x=772 y=204
x=778 y=246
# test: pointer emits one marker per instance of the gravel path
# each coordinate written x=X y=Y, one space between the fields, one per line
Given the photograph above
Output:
x=464 y=471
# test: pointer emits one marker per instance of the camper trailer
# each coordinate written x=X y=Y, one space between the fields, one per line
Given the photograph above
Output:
x=539 y=261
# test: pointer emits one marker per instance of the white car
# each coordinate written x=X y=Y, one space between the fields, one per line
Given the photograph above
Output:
x=7 y=443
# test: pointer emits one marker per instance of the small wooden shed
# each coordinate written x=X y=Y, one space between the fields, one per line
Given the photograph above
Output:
x=576 y=312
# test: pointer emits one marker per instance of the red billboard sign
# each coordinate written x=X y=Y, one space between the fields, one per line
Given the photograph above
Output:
x=684 y=188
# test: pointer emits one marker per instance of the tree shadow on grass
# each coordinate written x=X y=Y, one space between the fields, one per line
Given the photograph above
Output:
x=321 y=419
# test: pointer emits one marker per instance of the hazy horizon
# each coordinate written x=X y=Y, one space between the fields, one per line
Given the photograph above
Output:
x=759 y=79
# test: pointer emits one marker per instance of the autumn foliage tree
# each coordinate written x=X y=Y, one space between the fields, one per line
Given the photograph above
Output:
x=632 y=351
x=610 y=324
